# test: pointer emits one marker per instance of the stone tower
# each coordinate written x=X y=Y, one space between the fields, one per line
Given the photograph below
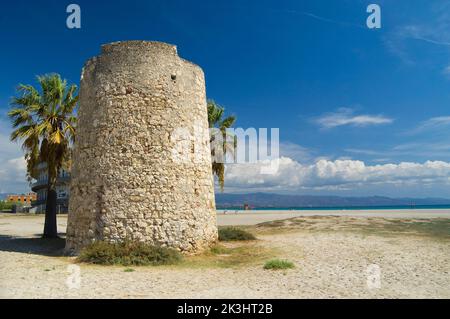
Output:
x=142 y=165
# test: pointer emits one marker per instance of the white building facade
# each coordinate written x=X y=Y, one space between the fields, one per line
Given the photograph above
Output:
x=62 y=190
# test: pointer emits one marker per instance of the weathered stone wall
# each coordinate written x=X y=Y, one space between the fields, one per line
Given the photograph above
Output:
x=126 y=182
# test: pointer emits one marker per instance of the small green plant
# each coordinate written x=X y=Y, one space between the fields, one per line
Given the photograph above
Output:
x=234 y=234
x=128 y=253
x=276 y=264
x=128 y=270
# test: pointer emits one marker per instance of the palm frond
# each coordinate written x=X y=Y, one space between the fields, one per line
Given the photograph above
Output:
x=228 y=122
x=215 y=120
x=219 y=170
x=20 y=116
x=22 y=132
x=70 y=101
x=44 y=122
x=215 y=113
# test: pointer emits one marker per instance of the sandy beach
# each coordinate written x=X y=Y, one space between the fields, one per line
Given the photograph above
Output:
x=233 y=217
x=332 y=257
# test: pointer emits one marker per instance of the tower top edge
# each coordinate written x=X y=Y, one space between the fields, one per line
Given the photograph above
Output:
x=140 y=45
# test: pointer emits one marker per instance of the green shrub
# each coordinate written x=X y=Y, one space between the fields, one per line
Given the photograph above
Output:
x=233 y=233
x=6 y=206
x=276 y=264
x=128 y=270
x=128 y=253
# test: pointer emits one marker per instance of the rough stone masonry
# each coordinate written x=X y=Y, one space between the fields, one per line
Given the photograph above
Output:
x=127 y=183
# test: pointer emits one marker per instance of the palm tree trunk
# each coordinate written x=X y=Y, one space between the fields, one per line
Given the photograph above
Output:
x=50 y=226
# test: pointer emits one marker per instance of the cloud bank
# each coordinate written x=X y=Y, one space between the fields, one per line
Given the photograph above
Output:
x=336 y=175
x=13 y=166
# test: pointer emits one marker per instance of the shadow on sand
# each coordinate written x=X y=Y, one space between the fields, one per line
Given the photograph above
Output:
x=36 y=245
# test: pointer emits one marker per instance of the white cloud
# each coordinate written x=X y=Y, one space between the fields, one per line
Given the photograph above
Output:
x=13 y=166
x=427 y=147
x=432 y=124
x=18 y=164
x=433 y=33
x=13 y=176
x=424 y=150
x=425 y=34
x=364 y=151
x=345 y=116
x=336 y=175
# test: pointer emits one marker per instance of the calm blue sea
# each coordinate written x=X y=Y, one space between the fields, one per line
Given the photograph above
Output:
x=346 y=208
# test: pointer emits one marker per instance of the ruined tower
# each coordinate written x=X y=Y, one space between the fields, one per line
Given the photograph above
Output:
x=142 y=164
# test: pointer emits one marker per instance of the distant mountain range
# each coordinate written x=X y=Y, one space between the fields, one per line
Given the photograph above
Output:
x=263 y=200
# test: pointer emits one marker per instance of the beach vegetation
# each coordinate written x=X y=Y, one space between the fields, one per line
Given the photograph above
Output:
x=234 y=234
x=128 y=270
x=128 y=253
x=277 y=264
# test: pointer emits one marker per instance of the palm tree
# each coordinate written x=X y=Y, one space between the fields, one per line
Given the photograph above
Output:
x=45 y=123
x=216 y=120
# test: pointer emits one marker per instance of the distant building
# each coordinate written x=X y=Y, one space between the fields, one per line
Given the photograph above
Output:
x=62 y=190
x=25 y=199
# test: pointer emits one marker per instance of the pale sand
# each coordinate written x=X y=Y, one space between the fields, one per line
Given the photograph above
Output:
x=331 y=262
x=33 y=224
x=233 y=217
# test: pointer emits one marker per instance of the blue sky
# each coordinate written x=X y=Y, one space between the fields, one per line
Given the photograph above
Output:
x=341 y=94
